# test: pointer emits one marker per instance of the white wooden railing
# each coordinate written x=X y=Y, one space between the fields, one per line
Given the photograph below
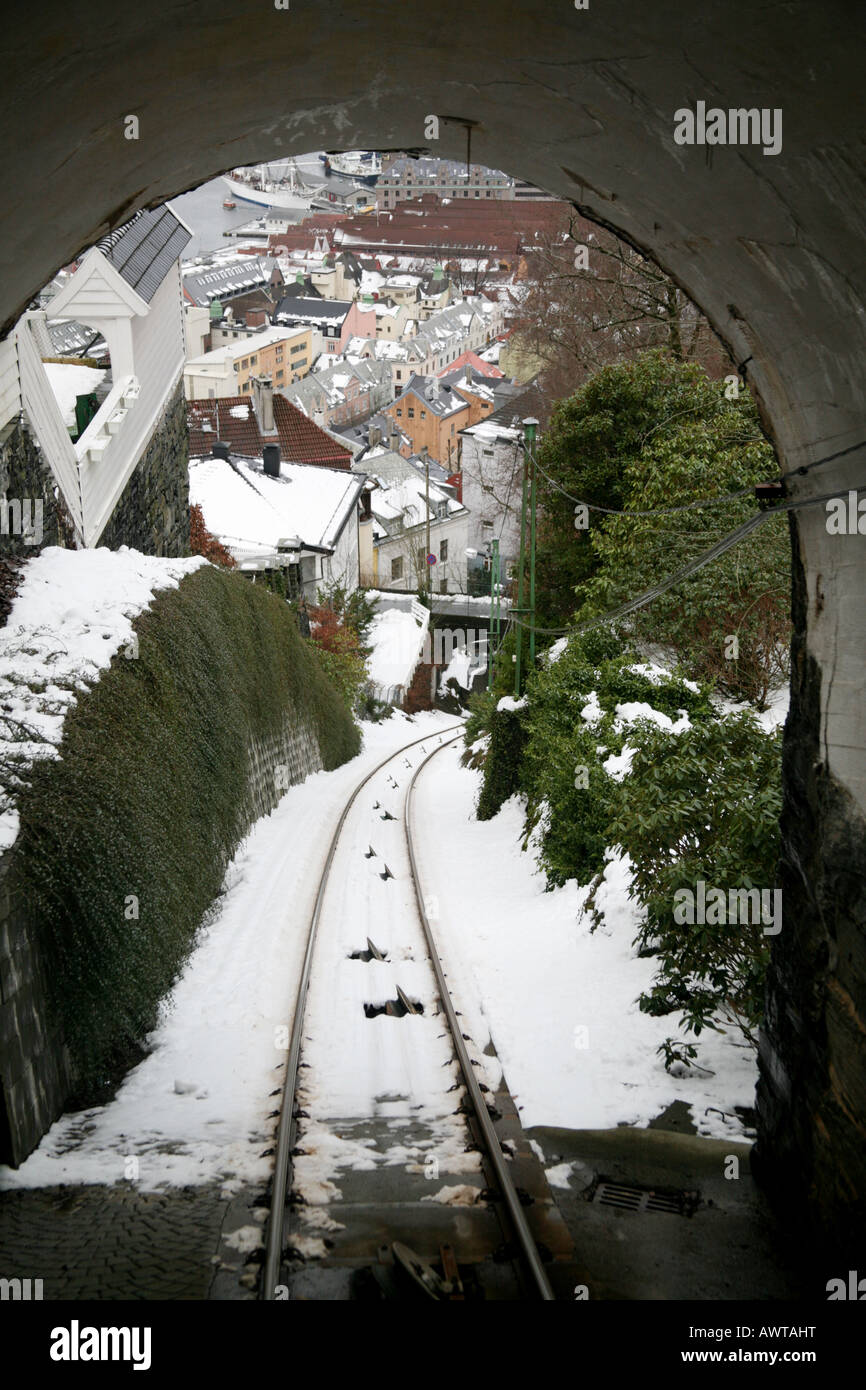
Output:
x=92 y=473
x=10 y=390
x=43 y=413
x=419 y=612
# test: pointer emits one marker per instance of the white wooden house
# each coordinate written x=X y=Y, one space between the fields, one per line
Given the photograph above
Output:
x=128 y=289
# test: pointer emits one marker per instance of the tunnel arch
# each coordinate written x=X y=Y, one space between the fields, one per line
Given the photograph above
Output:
x=582 y=103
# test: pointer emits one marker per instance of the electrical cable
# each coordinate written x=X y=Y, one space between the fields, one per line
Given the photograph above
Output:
x=656 y=511
x=704 y=501
x=726 y=543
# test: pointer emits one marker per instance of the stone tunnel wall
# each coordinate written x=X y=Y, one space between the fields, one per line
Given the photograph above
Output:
x=811 y=1098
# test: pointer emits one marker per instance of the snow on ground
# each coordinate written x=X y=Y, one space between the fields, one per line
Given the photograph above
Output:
x=397 y=638
x=558 y=1000
x=194 y=1110
x=67 y=381
x=773 y=717
x=73 y=612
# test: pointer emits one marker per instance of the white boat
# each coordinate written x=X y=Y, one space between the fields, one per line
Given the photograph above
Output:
x=358 y=164
x=256 y=185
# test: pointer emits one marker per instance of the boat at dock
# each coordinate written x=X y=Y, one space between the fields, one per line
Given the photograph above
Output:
x=364 y=165
x=257 y=185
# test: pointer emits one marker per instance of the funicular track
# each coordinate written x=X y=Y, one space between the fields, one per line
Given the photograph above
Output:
x=509 y=1203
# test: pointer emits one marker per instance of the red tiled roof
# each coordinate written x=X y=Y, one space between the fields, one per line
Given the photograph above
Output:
x=500 y=225
x=300 y=440
x=474 y=361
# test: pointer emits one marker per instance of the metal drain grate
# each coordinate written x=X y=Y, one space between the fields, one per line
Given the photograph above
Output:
x=629 y=1198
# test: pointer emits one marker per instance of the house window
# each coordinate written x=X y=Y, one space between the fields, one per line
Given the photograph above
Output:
x=410 y=411
x=246 y=362
x=397 y=567
x=299 y=347
x=399 y=410
x=443 y=550
x=254 y=359
x=423 y=414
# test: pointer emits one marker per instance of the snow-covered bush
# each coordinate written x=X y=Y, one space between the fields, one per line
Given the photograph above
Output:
x=581 y=714
x=702 y=805
x=618 y=756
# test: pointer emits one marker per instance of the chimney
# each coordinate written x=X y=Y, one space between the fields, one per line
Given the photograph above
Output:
x=394 y=440
x=271 y=460
x=263 y=401
x=256 y=317
x=375 y=436
x=220 y=450
x=468 y=374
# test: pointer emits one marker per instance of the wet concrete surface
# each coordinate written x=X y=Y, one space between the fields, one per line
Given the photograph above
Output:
x=729 y=1247
x=107 y=1243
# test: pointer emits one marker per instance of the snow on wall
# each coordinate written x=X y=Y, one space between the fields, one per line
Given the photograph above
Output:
x=73 y=612
x=397 y=638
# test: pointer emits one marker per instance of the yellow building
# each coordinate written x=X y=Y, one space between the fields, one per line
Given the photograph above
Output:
x=283 y=354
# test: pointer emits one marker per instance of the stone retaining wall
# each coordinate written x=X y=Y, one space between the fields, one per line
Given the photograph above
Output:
x=36 y=1077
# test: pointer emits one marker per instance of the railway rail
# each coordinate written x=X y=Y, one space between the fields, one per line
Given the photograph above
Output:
x=497 y=1164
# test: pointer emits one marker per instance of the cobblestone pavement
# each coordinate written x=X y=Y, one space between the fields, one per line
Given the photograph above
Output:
x=95 y=1242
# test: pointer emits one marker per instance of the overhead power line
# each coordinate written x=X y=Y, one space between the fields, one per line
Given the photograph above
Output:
x=726 y=543
x=656 y=511
x=702 y=501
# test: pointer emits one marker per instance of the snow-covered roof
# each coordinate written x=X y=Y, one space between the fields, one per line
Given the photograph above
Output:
x=249 y=511
x=405 y=501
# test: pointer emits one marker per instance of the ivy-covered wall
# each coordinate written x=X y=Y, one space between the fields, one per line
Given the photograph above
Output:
x=124 y=840
x=25 y=475
x=152 y=514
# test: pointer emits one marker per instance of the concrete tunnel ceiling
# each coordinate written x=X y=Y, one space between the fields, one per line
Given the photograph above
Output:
x=582 y=103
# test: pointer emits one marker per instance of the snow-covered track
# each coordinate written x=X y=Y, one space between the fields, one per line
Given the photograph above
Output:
x=517 y=1217
x=287 y=1124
